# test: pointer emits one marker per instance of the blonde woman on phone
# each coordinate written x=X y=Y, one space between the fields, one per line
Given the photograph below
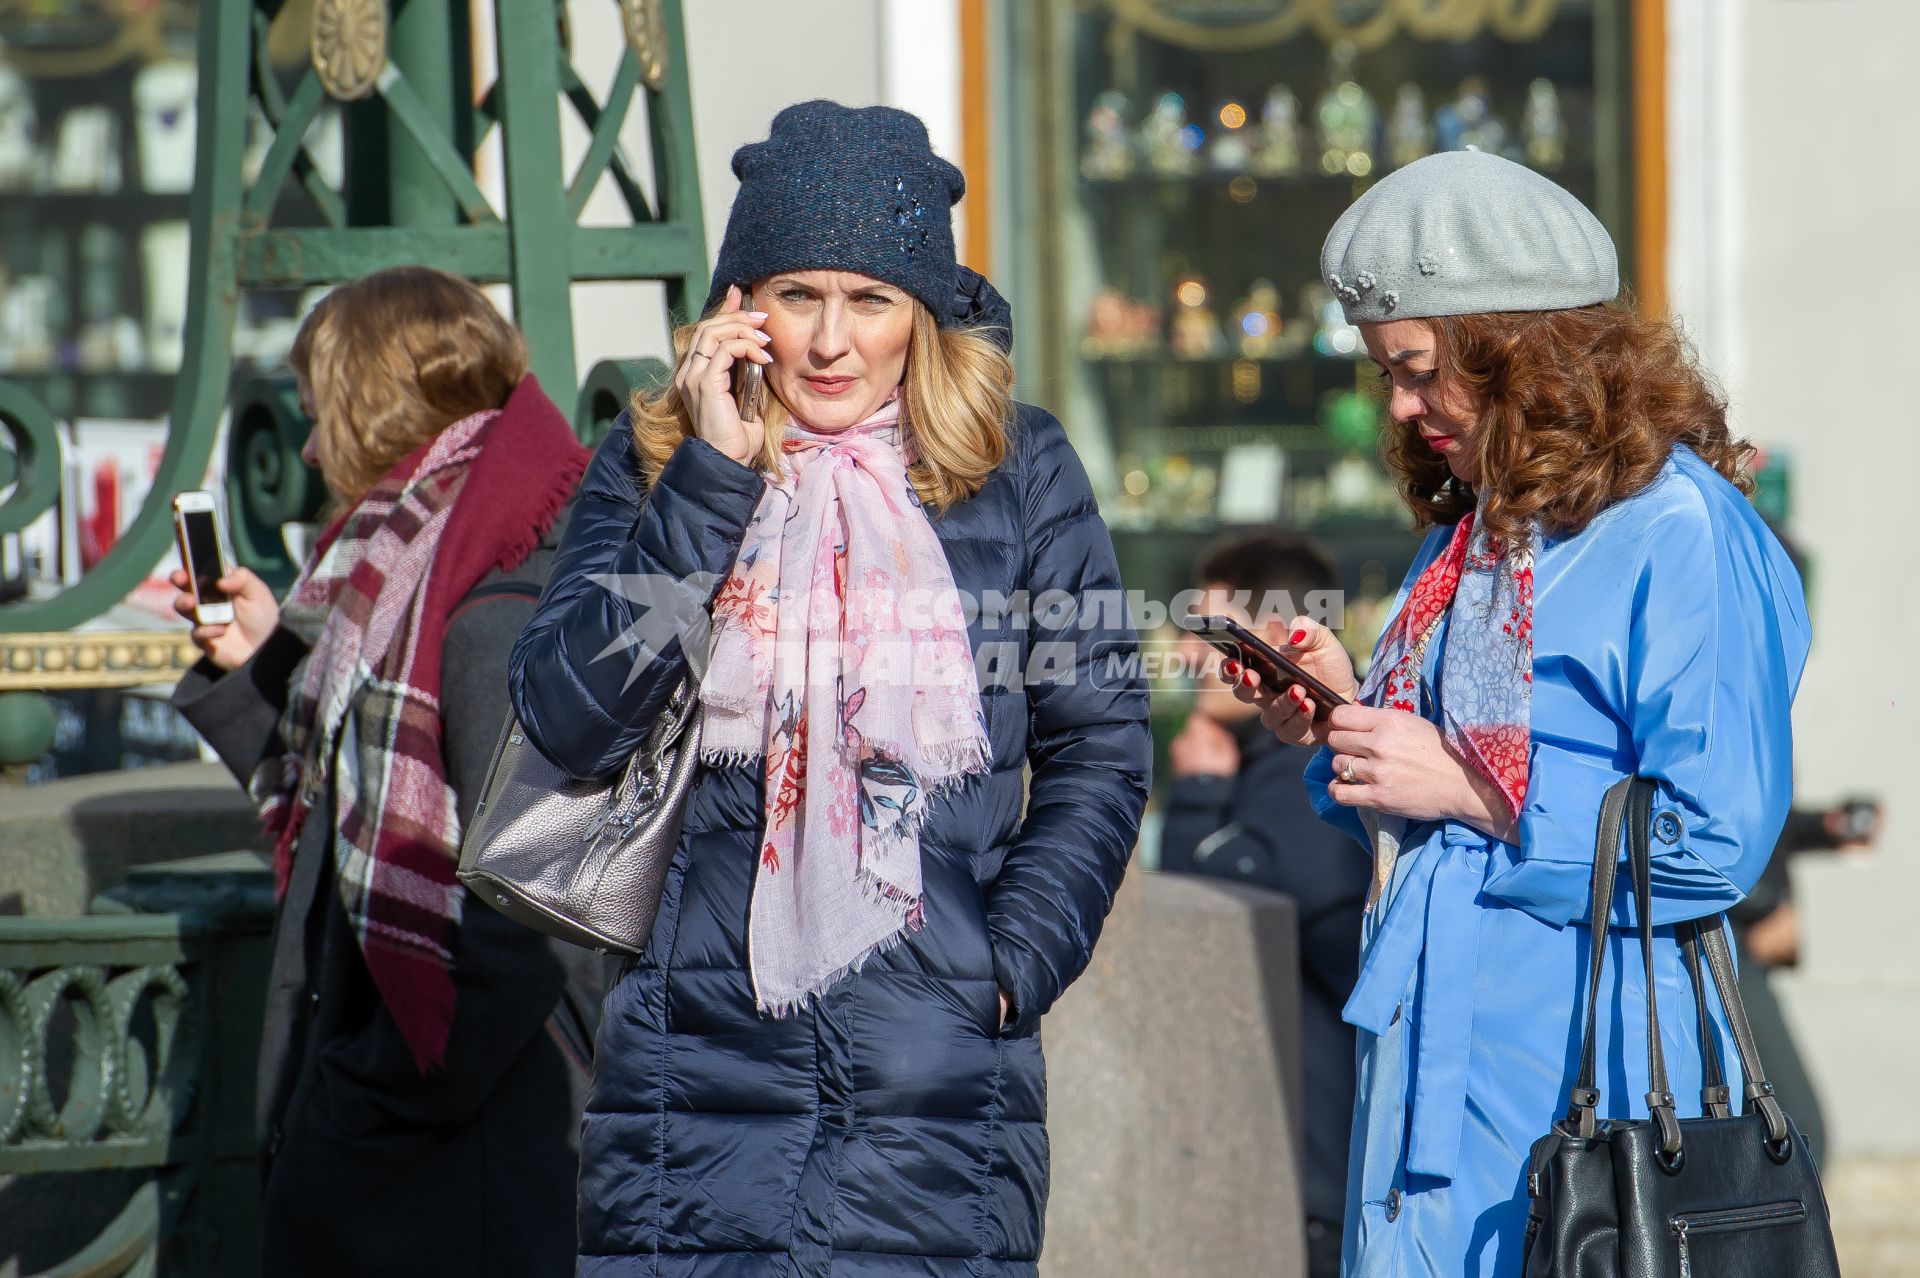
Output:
x=827 y=1059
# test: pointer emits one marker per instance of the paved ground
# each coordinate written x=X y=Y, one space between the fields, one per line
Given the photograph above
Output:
x=1874 y=1221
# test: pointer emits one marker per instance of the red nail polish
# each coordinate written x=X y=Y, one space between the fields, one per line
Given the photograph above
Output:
x=1297 y=638
x=1246 y=677
x=1233 y=669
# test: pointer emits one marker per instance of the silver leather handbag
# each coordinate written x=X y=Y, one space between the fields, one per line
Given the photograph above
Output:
x=584 y=861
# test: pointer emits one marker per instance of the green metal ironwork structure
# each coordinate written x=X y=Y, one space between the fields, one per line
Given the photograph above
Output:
x=129 y=1037
x=411 y=195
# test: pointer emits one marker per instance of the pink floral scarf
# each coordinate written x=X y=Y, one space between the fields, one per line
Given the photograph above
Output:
x=840 y=662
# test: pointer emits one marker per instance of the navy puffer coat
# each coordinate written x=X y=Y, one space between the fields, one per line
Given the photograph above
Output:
x=887 y=1129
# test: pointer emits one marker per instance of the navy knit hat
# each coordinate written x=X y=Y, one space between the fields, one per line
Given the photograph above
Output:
x=859 y=189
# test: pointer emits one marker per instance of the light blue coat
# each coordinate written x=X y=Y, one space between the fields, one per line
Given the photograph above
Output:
x=1669 y=637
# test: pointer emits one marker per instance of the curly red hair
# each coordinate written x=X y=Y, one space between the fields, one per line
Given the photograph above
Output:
x=1578 y=409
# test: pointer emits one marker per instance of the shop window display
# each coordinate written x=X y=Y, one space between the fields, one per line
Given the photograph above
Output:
x=1177 y=164
x=1187 y=158
x=97 y=140
x=97 y=151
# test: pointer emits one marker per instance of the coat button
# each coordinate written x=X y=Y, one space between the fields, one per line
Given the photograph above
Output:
x=1666 y=828
x=1393 y=1205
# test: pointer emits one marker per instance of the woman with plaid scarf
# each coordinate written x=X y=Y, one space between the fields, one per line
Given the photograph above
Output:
x=424 y=1059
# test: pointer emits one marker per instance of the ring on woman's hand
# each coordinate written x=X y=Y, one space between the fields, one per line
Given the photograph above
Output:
x=1346 y=773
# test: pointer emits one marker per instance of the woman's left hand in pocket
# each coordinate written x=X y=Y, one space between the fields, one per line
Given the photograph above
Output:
x=1400 y=764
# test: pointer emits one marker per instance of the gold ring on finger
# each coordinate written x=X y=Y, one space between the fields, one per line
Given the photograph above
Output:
x=1346 y=773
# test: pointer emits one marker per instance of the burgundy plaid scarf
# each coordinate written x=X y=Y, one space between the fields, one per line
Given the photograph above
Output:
x=364 y=710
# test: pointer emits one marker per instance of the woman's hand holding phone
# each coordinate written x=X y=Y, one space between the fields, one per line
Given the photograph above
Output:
x=1289 y=715
x=255 y=613
x=705 y=377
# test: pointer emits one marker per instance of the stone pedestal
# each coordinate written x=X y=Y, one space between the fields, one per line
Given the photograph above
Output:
x=63 y=843
x=1173 y=1072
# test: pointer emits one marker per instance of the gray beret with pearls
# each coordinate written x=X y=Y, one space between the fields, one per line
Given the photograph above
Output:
x=1467 y=233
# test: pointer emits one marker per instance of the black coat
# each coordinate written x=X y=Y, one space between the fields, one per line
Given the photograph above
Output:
x=1258 y=827
x=892 y=1128
x=369 y=1167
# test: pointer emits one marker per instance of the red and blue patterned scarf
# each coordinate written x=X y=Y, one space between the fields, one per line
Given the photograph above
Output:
x=1486 y=681
x=363 y=713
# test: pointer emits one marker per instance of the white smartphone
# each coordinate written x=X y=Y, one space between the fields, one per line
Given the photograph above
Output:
x=203 y=553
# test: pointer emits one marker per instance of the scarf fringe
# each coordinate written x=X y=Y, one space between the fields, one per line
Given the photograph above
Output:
x=780 y=1009
x=965 y=760
x=933 y=791
x=730 y=757
x=745 y=705
x=560 y=490
x=956 y=761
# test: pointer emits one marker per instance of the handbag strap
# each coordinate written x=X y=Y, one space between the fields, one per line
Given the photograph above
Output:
x=639 y=782
x=1585 y=1098
x=1715 y=1098
x=1640 y=855
x=1628 y=807
x=1759 y=1092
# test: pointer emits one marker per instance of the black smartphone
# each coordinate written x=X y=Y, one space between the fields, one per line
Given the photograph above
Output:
x=1275 y=668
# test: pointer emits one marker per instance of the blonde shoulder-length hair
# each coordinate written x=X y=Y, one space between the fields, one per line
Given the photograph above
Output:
x=957 y=399
x=394 y=358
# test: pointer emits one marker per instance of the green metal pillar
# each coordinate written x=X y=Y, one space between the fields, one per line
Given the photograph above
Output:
x=427 y=36
x=537 y=190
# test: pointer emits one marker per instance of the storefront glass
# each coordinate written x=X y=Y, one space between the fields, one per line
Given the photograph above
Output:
x=1173 y=166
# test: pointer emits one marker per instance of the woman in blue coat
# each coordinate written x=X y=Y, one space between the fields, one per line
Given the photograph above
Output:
x=1596 y=598
x=827 y=1061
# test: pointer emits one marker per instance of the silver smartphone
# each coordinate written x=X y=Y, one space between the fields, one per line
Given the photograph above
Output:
x=750 y=380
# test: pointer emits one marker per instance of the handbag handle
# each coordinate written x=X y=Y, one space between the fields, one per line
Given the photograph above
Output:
x=1629 y=804
x=1585 y=1097
x=1759 y=1092
x=1660 y=1099
x=1715 y=1099
x=631 y=792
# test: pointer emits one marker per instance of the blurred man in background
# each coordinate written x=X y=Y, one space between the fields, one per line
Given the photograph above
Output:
x=1767 y=927
x=1237 y=810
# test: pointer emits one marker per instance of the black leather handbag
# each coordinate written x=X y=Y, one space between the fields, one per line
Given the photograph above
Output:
x=1722 y=1196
